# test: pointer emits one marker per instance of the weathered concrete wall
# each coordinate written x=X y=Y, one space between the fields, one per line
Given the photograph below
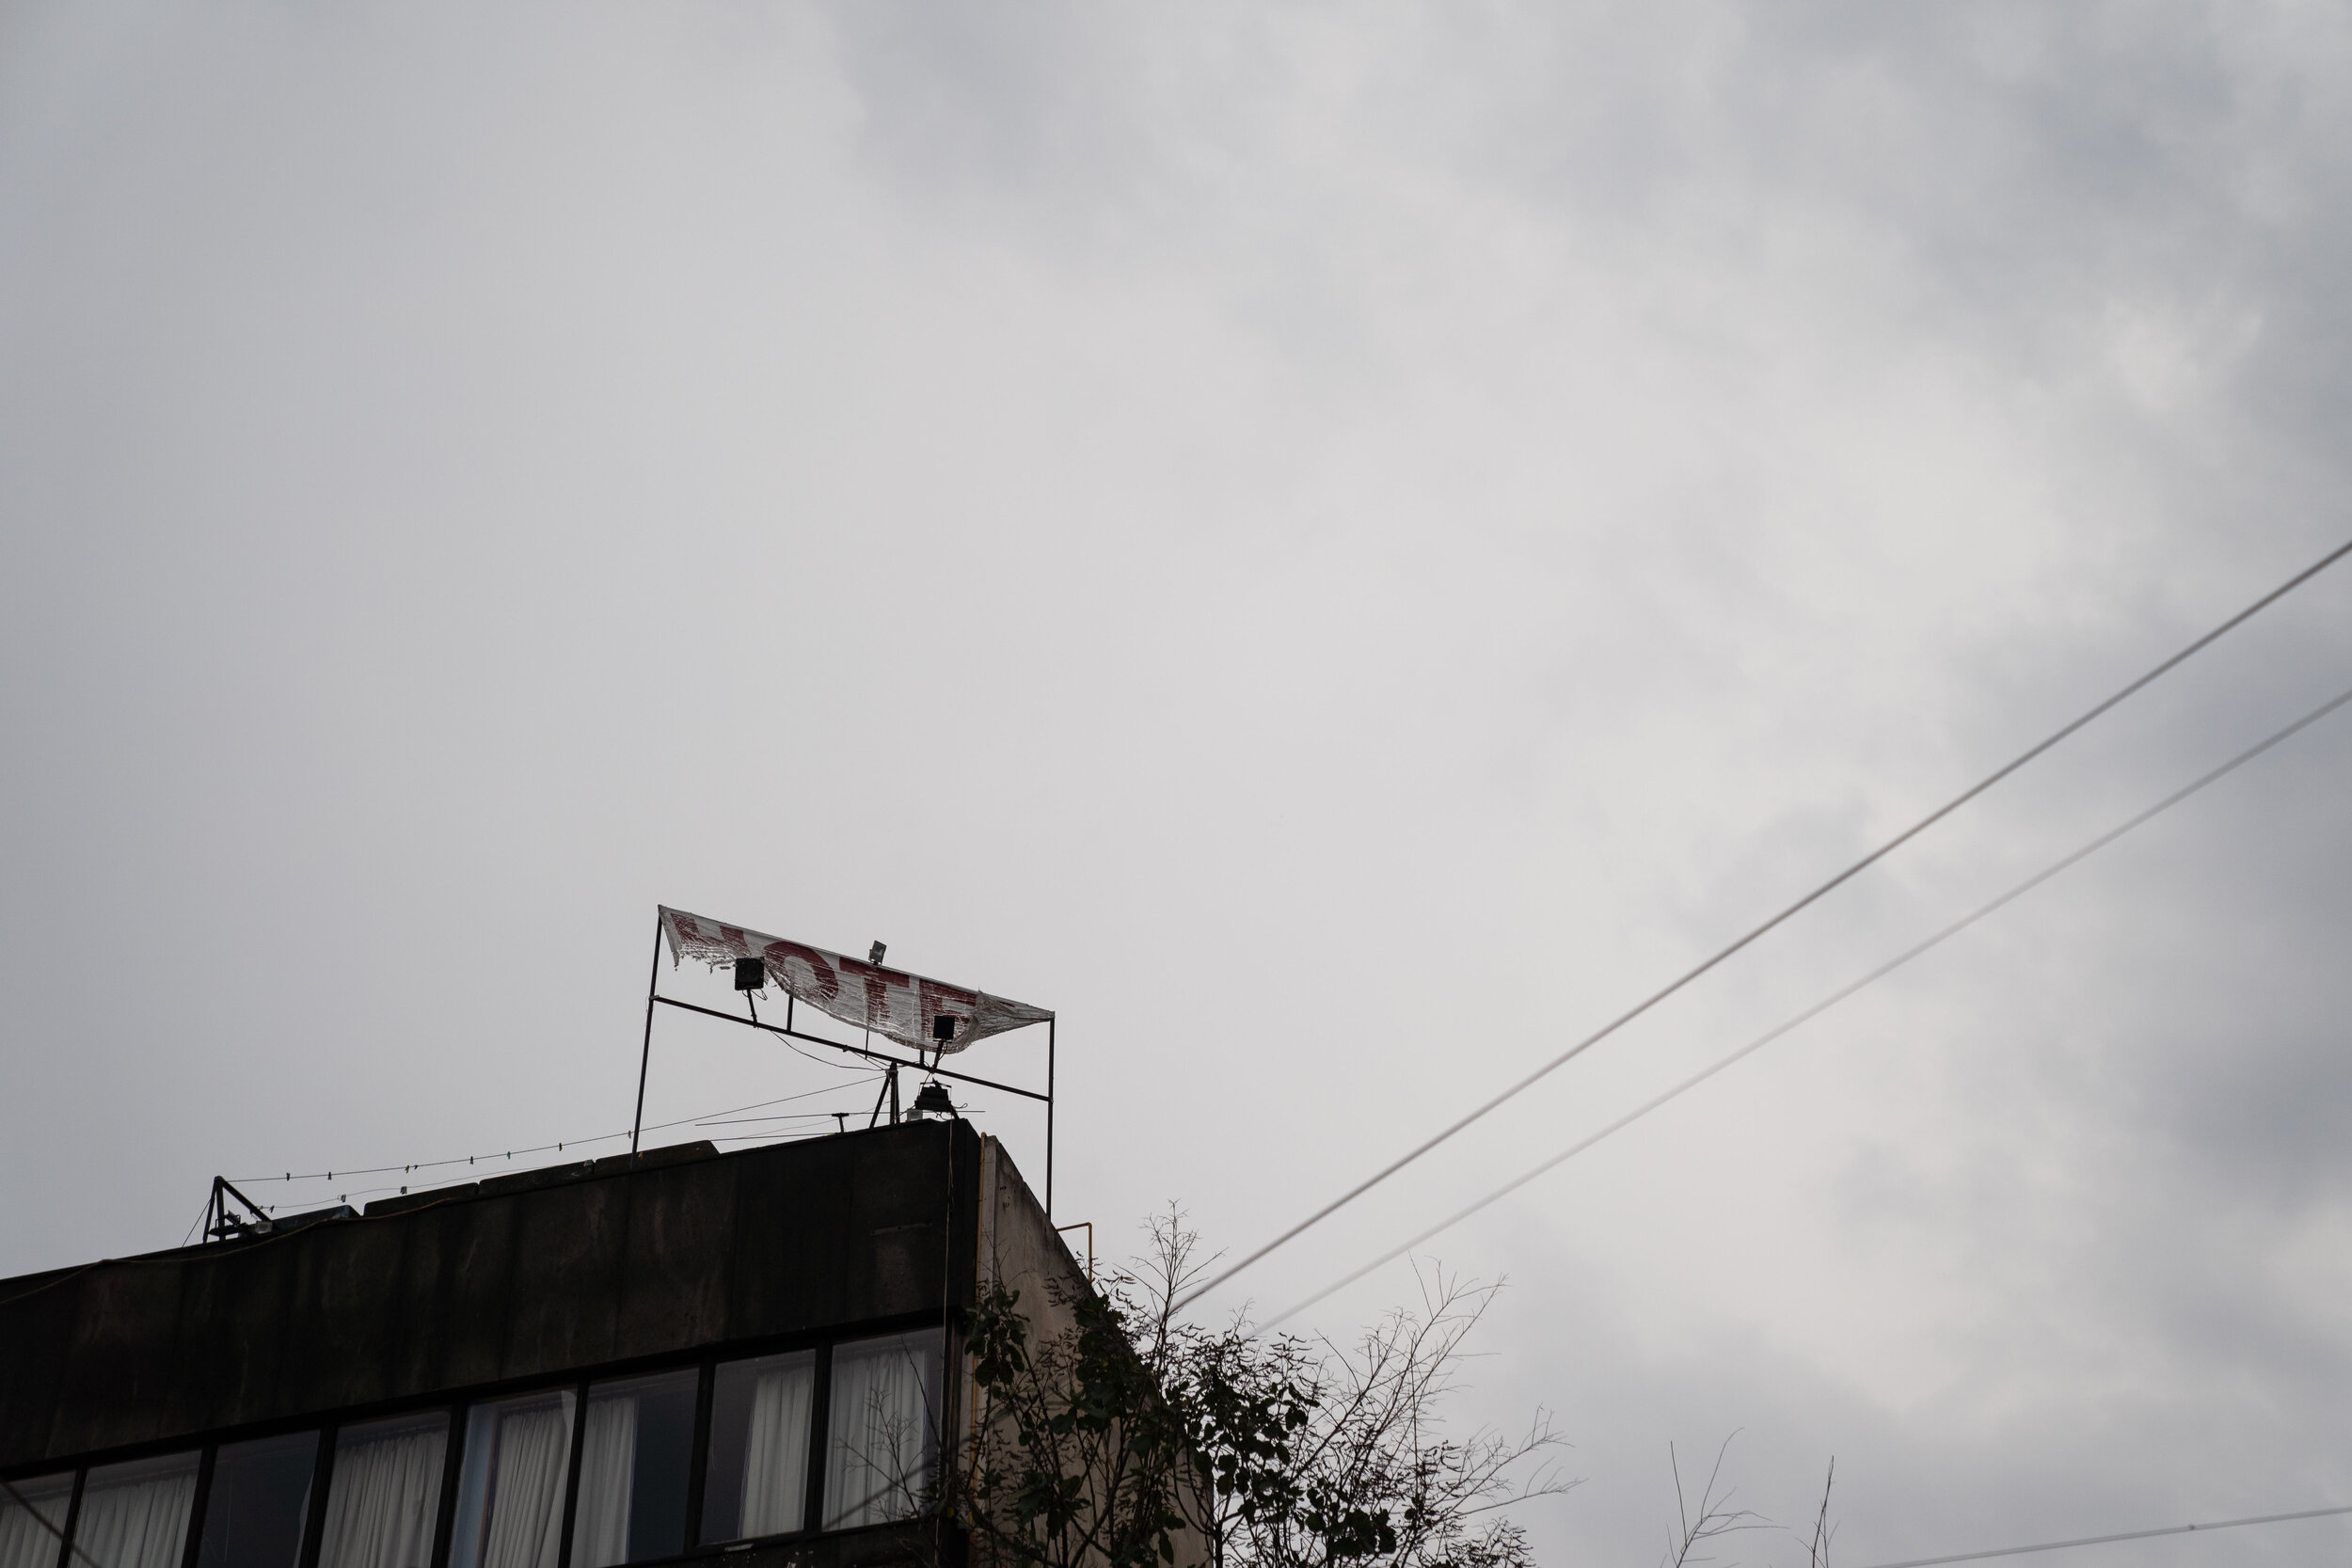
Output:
x=488 y=1287
x=1019 y=1247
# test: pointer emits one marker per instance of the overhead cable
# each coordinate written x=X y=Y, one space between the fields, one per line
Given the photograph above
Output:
x=2103 y=1539
x=1687 y=975
x=1828 y=1002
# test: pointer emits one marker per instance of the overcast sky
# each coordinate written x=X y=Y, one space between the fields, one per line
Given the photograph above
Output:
x=1335 y=546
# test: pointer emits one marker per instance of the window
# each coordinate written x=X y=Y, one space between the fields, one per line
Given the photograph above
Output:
x=384 y=1492
x=879 y=1453
x=773 y=1466
x=635 y=1452
x=24 y=1543
x=510 y=1503
x=259 y=1502
x=757 y=1482
x=135 y=1514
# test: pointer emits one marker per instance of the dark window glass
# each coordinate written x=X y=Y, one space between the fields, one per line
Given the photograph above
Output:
x=634 y=1452
x=384 y=1492
x=24 y=1543
x=261 y=1497
x=756 y=1482
x=135 y=1514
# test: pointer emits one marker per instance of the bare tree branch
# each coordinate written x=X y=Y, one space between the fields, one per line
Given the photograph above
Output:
x=1714 y=1519
x=1133 y=1439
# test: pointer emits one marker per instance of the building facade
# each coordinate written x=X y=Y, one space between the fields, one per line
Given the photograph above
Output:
x=752 y=1355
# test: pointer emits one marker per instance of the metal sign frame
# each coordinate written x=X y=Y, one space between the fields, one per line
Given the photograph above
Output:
x=894 y=1062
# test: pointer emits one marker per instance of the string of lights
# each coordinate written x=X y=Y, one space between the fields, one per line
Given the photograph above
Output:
x=461 y=1181
x=706 y=1118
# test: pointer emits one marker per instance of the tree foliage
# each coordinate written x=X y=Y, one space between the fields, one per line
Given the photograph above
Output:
x=1128 y=1437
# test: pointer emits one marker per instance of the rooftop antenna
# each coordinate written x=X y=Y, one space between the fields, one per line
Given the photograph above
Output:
x=889 y=1092
x=222 y=1225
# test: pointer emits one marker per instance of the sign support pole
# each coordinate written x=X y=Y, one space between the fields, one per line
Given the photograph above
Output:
x=644 y=1057
x=1049 y=1120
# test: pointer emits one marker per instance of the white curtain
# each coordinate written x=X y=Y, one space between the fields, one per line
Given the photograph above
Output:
x=381 y=1496
x=136 y=1516
x=526 y=1499
x=775 y=1451
x=879 y=1459
x=608 y=1475
x=24 y=1543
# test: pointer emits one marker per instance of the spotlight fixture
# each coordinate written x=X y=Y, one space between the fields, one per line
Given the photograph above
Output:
x=751 y=975
x=875 y=954
x=944 y=1028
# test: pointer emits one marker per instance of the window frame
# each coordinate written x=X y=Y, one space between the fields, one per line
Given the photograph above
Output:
x=71 y=1470
x=69 y=1544
x=461 y=1426
x=458 y=1404
x=330 y=1445
x=697 y=1443
x=320 y=1434
x=935 y=1437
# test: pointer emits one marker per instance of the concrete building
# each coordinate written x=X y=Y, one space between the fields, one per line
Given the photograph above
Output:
x=752 y=1355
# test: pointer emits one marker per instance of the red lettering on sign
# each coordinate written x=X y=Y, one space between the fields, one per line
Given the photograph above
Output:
x=955 y=1002
x=878 y=984
x=822 y=984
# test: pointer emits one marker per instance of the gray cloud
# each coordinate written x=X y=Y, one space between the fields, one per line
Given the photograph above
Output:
x=1334 y=549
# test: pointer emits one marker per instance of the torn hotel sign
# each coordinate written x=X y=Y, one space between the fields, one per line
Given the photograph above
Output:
x=893 y=1004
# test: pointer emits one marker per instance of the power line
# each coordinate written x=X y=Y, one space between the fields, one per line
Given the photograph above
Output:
x=746 y=1121
x=1872 y=858
x=2103 y=1539
x=1831 y=1000
x=201 y=1216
